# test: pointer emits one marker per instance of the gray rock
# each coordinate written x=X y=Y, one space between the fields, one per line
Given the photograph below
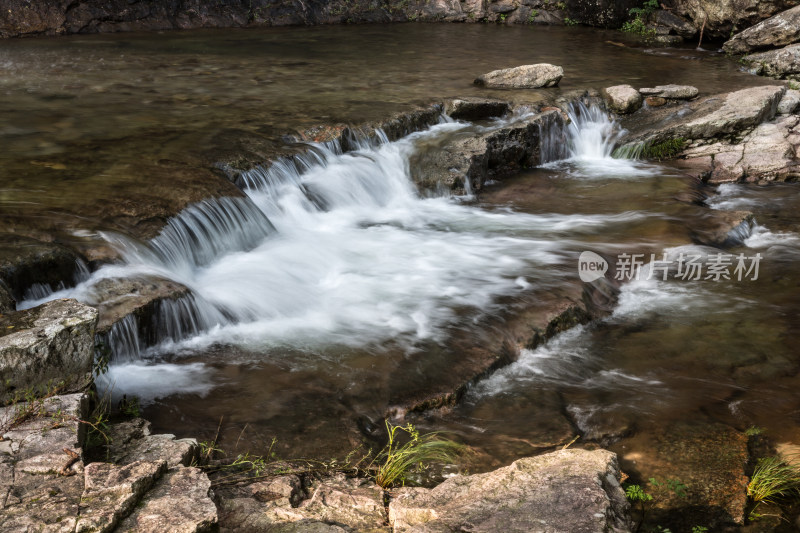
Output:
x=722 y=228
x=153 y=448
x=523 y=77
x=25 y=262
x=48 y=426
x=671 y=91
x=674 y=24
x=722 y=17
x=280 y=504
x=111 y=492
x=783 y=63
x=475 y=108
x=776 y=31
x=622 y=98
x=49 y=345
x=7 y=304
x=178 y=503
x=789 y=103
x=564 y=491
x=481 y=157
x=768 y=153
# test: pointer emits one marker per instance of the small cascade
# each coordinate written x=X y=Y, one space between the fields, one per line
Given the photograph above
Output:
x=41 y=292
x=591 y=134
x=183 y=318
x=204 y=231
x=123 y=340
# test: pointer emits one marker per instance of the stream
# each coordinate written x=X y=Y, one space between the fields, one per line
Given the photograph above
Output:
x=330 y=292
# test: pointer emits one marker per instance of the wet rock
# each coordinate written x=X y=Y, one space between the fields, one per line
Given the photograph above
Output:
x=709 y=458
x=768 y=153
x=479 y=158
x=781 y=64
x=523 y=77
x=674 y=24
x=655 y=101
x=789 y=103
x=567 y=490
x=622 y=98
x=723 y=228
x=51 y=345
x=473 y=109
x=673 y=92
x=26 y=262
x=281 y=504
x=116 y=298
x=178 y=503
x=776 y=31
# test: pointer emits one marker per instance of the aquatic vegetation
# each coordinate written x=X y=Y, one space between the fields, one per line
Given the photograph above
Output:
x=773 y=480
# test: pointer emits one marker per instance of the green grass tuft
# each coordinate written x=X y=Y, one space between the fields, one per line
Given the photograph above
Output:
x=396 y=460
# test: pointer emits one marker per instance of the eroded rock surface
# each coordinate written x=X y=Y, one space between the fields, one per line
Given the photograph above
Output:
x=776 y=31
x=782 y=64
x=564 y=491
x=49 y=346
x=472 y=109
x=522 y=77
x=671 y=91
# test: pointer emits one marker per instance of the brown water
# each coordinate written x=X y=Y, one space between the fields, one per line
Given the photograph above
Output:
x=96 y=126
x=107 y=130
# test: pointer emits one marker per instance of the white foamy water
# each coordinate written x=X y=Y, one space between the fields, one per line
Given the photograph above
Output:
x=336 y=249
x=591 y=137
x=148 y=382
x=762 y=237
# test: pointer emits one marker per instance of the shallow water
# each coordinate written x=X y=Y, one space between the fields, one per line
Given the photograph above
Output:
x=325 y=298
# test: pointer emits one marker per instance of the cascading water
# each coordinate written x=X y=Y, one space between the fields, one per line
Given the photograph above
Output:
x=335 y=248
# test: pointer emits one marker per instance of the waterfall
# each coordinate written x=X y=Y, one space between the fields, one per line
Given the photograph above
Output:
x=333 y=248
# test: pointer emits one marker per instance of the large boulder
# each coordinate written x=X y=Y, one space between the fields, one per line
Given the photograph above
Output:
x=782 y=64
x=789 y=103
x=723 y=17
x=49 y=346
x=777 y=31
x=564 y=491
x=522 y=77
x=622 y=98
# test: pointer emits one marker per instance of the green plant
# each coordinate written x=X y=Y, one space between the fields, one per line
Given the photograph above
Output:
x=794 y=85
x=637 y=24
x=699 y=529
x=753 y=431
x=561 y=5
x=773 y=480
x=130 y=407
x=532 y=17
x=570 y=22
x=637 y=495
x=662 y=150
x=673 y=485
x=396 y=460
x=502 y=17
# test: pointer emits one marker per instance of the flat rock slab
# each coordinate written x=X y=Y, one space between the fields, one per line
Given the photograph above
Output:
x=776 y=31
x=282 y=504
x=673 y=92
x=473 y=109
x=111 y=492
x=522 y=77
x=178 y=503
x=49 y=346
x=782 y=64
x=564 y=491
x=769 y=153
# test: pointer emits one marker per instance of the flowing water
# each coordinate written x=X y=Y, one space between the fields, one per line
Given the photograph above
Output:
x=334 y=290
